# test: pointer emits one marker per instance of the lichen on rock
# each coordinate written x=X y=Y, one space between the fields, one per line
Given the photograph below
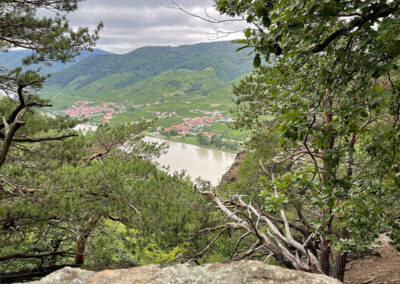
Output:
x=221 y=273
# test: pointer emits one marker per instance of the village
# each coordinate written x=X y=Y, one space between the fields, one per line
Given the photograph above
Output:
x=82 y=109
x=190 y=125
x=194 y=125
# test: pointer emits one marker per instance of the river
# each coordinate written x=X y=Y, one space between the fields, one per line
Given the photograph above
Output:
x=208 y=164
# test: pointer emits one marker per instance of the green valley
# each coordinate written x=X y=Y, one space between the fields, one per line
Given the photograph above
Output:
x=170 y=84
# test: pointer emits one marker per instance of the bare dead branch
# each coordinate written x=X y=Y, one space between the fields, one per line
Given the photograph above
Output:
x=207 y=18
x=208 y=246
x=32 y=255
x=237 y=246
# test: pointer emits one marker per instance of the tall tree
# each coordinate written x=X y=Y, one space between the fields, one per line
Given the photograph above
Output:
x=57 y=195
x=331 y=91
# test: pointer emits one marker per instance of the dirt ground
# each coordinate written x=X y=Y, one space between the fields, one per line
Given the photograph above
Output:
x=375 y=269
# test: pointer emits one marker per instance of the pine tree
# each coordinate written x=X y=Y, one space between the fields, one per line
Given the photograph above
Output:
x=49 y=39
x=58 y=187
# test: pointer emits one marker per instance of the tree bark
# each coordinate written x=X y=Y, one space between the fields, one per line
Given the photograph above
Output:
x=340 y=263
x=82 y=240
x=325 y=249
x=325 y=252
x=340 y=267
x=10 y=130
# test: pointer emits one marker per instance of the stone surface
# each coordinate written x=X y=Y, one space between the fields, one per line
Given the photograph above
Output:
x=67 y=275
x=232 y=273
x=232 y=174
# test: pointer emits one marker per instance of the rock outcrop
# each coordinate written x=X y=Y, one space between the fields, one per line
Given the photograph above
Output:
x=232 y=273
x=232 y=174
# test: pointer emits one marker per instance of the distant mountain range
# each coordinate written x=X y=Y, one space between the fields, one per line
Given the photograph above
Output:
x=13 y=59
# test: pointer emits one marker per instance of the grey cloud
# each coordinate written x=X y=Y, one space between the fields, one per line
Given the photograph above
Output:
x=146 y=3
x=136 y=23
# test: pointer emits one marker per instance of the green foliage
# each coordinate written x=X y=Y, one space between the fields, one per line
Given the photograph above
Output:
x=216 y=140
x=173 y=132
x=331 y=97
x=59 y=187
x=113 y=246
x=116 y=245
x=203 y=139
x=151 y=254
x=103 y=174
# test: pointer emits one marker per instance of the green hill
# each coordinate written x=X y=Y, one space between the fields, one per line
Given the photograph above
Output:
x=146 y=62
x=175 y=86
x=13 y=59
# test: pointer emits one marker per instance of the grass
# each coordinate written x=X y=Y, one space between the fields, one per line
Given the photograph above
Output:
x=167 y=122
x=227 y=132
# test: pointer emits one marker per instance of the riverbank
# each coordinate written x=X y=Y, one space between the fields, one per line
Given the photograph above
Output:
x=192 y=141
x=196 y=161
x=208 y=163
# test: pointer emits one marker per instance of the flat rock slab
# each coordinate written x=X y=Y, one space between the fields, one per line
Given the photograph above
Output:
x=231 y=273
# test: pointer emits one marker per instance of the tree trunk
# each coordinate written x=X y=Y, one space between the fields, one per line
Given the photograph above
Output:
x=325 y=252
x=340 y=263
x=82 y=240
x=341 y=259
x=327 y=175
x=340 y=267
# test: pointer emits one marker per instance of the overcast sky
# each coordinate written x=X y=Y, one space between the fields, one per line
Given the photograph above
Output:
x=129 y=24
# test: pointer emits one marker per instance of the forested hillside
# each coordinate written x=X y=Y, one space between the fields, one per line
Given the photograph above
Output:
x=146 y=62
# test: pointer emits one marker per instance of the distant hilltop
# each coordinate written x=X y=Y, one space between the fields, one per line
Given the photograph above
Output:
x=13 y=59
x=146 y=62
